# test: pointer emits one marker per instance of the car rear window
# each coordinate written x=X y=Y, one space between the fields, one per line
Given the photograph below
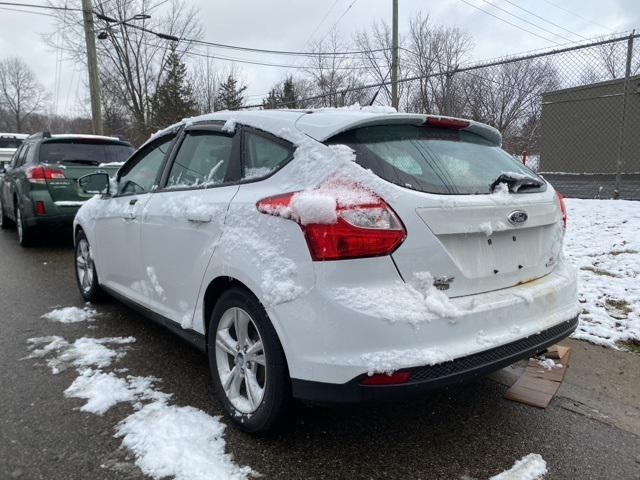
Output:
x=433 y=160
x=91 y=152
x=9 y=142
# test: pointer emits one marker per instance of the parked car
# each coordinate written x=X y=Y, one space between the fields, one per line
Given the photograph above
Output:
x=9 y=143
x=39 y=188
x=331 y=255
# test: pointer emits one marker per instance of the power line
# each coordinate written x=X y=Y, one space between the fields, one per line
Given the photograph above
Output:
x=570 y=12
x=321 y=22
x=32 y=5
x=27 y=11
x=457 y=70
x=338 y=21
x=545 y=20
x=522 y=19
x=508 y=22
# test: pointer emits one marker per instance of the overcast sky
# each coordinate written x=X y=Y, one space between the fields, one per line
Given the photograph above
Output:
x=288 y=25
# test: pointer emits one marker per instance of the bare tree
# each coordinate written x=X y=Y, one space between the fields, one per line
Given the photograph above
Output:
x=21 y=94
x=509 y=95
x=131 y=57
x=376 y=61
x=334 y=75
x=435 y=53
x=205 y=80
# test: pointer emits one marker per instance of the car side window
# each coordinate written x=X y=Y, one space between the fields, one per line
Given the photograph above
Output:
x=262 y=156
x=141 y=177
x=16 y=156
x=23 y=156
x=203 y=160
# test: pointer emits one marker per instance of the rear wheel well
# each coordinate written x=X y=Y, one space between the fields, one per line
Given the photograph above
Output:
x=76 y=232
x=215 y=289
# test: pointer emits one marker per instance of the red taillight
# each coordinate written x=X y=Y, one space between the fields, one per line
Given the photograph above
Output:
x=452 y=123
x=40 y=210
x=386 y=379
x=43 y=174
x=563 y=209
x=356 y=230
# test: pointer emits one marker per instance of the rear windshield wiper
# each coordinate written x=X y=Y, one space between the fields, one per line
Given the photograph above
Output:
x=515 y=182
x=94 y=163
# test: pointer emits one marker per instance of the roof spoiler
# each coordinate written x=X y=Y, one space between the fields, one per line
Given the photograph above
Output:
x=44 y=134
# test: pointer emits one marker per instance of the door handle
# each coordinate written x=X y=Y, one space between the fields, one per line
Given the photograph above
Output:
x=133 y=201
x=197 y=217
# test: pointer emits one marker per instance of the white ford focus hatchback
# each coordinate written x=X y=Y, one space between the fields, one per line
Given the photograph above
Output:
x=332 y=255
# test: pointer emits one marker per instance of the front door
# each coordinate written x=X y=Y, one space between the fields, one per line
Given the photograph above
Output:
x=117 y=230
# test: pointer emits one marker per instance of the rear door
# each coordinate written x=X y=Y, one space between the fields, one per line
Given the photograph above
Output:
x=471 y=237
x=73 y=158
x=117 y=228
x=184 y=219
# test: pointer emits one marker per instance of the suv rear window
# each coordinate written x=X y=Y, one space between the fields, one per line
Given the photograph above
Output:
x=9 y=142
x=84 y=151
x=432 y=160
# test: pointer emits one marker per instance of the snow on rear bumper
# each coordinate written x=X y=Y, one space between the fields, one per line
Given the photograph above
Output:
x=332 y=342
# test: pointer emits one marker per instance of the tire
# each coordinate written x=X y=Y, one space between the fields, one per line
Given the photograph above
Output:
x=271 y=376
x=85 y=269
x=5 y=222
x=25 y=233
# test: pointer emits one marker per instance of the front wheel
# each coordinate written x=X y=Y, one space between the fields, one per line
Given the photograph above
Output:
x=247 y=363
x=86 y=275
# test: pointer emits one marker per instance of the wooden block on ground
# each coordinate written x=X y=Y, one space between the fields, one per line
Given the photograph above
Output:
x=537 y=385
x=557 y=351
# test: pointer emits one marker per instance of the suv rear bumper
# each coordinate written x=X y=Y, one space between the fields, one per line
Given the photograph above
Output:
x=431 y=377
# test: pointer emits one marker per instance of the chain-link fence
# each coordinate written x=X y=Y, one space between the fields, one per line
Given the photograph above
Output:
x=572 y=114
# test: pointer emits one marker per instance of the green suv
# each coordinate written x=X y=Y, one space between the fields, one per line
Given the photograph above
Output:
x=39 y=187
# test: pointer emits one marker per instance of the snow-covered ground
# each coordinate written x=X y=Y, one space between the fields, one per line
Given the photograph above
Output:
x=168 y=441
x=603 y=243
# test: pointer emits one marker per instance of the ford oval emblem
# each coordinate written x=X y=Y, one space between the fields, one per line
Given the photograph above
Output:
x=517 y=217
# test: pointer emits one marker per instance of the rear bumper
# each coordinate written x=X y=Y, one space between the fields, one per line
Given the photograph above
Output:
x=426 y=378
x=62 y=220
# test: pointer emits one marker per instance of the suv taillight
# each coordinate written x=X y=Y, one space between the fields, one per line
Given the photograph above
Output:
x=43 y=174
x=563 y=209
x=355 y=230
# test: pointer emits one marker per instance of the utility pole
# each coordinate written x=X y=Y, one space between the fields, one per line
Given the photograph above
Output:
x=394 y=57
x=92 y=65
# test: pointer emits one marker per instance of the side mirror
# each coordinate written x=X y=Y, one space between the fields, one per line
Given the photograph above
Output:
x=95 y=183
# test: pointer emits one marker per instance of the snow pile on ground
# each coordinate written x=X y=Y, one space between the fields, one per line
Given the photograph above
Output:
x=167 y=440
x=603 y=242
x=529 y=467
x=70 y=314
x=548 y=363
x=182 y=442
x=84 y=352
x=101 y=390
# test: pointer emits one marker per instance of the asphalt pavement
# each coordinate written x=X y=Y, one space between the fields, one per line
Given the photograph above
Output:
x=465 y=432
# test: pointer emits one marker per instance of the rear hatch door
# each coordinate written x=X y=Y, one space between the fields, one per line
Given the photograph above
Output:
x=70 y=159
x=477 y=220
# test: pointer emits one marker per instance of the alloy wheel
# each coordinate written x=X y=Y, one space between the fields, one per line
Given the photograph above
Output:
x=240 y=359
x=19 y=224
x=84 y=265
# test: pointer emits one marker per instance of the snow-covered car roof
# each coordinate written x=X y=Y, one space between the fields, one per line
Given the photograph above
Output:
x=14 y=135
x=72 y=136
x=322 y=124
